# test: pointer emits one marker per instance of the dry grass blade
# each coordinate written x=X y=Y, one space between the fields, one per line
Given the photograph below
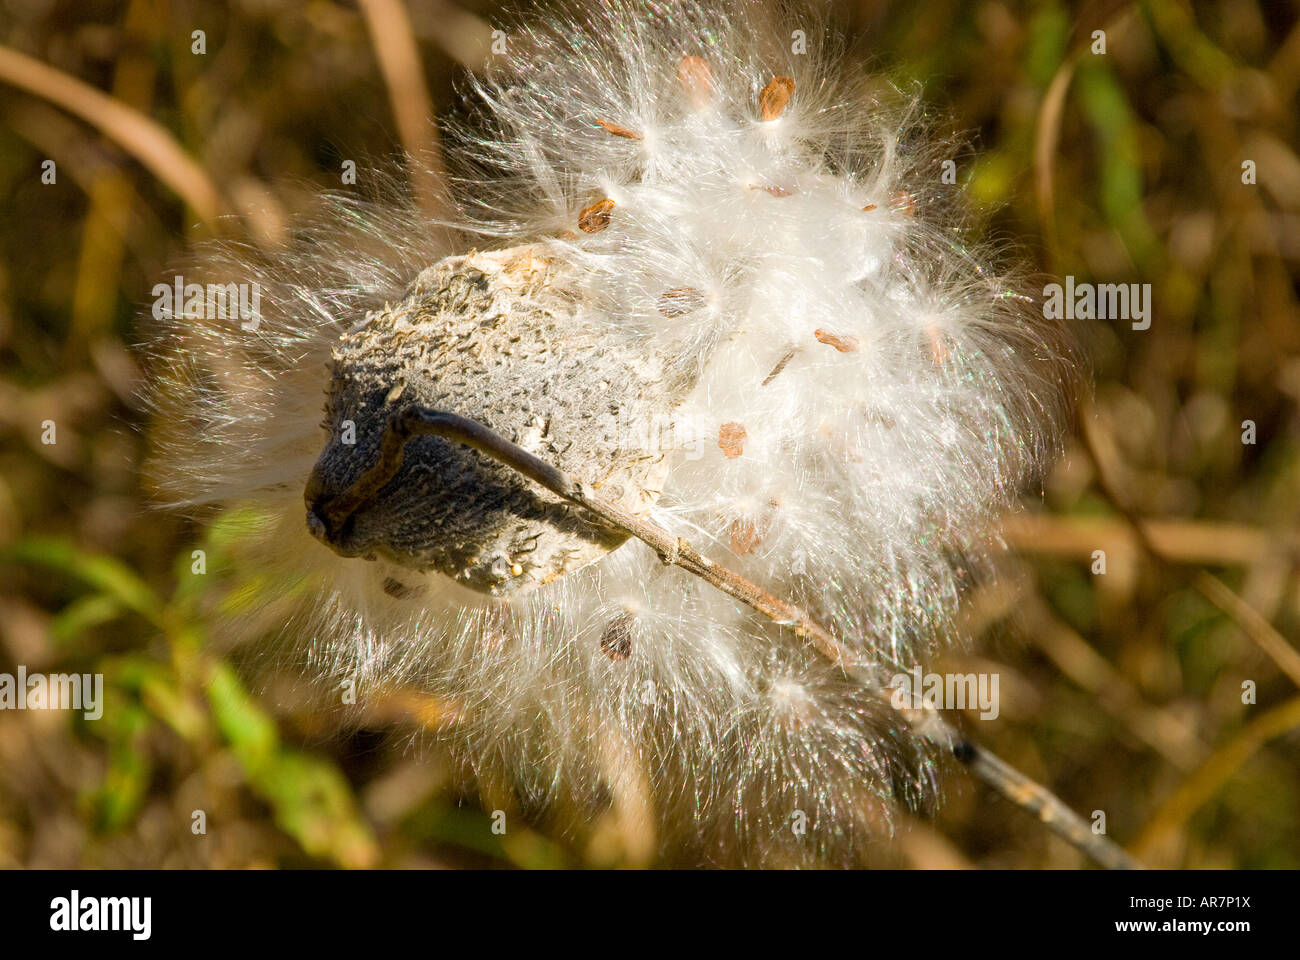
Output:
x=133 y=131
x=1252 y=624
x=1263 y=633
x=1179 y=541
x=1202 y=785
x=1047 y=135
x=399 y=61
x=1164 y=731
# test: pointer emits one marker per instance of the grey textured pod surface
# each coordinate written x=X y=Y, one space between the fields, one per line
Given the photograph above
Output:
x=506 y=339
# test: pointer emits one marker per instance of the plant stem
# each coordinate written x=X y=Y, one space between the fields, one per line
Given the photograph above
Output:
x=924 y=720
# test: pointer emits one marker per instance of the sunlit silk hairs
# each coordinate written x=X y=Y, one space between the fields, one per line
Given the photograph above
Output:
x=701 y=265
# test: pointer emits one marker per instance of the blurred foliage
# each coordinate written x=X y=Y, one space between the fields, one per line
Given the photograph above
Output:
x=1122 y=691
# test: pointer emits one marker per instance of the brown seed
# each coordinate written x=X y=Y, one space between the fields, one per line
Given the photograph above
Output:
x=772 y=101
x=868 y=208
x=780 y=365
x=880 y=418
x=731 y=439
x=696 y=78
x=744 y=537
x=679 y=301
x=618 y=131
x=596 y=217
x=904 y=203
x=616 y=641
x=774 y=191
x=844 y=344
x=938 y=349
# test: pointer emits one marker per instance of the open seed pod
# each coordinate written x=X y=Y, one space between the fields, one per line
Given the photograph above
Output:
x=703 y=299
x=504 y=339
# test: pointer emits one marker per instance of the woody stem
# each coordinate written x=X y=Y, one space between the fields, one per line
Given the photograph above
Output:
x=924 y=720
